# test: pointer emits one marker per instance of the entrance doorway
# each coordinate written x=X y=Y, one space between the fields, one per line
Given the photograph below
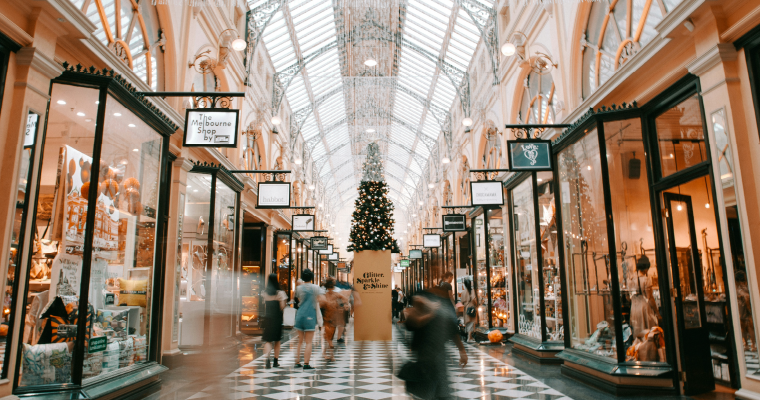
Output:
x=698 y=289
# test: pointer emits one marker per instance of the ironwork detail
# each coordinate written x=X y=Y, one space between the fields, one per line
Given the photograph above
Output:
x=485 y=19
x=257 y=20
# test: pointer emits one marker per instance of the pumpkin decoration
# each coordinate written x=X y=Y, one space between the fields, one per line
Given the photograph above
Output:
x=85 y=190
x=495 y=336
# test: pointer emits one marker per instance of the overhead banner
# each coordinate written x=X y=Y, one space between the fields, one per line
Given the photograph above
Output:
x=273 y=195
x=302 y=223
x=454 y=223
x=529 y=155
x=319 y=243
x=415 y=254
x=404 y=263
x=328 y=250
x=211 y=127
x=487 y=193
x=430 y=240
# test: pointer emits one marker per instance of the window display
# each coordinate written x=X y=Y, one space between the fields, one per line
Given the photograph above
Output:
x=209 y=257
x=584 y=226
x=526 y=261
x=500 y=299
x=89 y=306
x=481 y=274
x=555 y=330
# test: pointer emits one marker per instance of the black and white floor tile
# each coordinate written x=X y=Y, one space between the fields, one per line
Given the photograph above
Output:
x=366 y=370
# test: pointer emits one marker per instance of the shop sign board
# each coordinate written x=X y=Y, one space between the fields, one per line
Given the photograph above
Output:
x=404 y=263
x=487 y=193
x=319 y=243
x=431 y=240
x=529 y=155
x=302 y=223
x=333 y=257
x=211 y=127
x=273 y=195
x=342 y=265
x=32 y=121
x=415 y=254
x=328 y=250
x=454 y=223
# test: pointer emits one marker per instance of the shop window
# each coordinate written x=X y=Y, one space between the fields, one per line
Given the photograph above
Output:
x=615 y=33
x=90 y=287
x=680 y=136
x=537 y=106
x=481 y=275
x=742 y=279
x=591 y=324
x=129 y=30
x=526 y=261
x=549 y=257
x=634 y=239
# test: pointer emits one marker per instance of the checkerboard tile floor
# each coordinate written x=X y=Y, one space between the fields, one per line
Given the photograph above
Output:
x=366 y=370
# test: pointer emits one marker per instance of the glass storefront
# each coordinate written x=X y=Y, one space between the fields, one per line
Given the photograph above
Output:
x=208 y=288
x=89 y=309
x=252 y=277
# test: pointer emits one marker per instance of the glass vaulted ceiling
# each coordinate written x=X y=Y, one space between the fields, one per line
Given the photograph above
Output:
x=301 y=28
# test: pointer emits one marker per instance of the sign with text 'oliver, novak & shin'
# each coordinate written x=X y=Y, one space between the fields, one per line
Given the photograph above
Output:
x=454 y=223
x=273 y=195
x=211 y=127
x=487 y=193
x=529 y=155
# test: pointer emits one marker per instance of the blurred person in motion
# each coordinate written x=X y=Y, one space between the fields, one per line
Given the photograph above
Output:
x=401 y=305
x=470 y=306
x=334 y=303
x=394 y=302
x=306 y=317
x=432 y=321
x=274 y=303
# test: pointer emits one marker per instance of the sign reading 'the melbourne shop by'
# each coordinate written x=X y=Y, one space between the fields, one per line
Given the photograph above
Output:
x=211 y=127
x=487 y=193
x=274 y=195
x=530 y=155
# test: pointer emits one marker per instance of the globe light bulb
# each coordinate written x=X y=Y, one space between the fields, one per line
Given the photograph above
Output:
x=298 y=161
x=467 y=121
x=679 y=208
x=707 y=205
x=276 y=120
x=431 y=185
x=508 y=49
x=370 y=62
x=445 y=160
x=239 y=44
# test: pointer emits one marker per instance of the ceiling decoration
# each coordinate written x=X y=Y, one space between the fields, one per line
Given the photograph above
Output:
x=357 y=72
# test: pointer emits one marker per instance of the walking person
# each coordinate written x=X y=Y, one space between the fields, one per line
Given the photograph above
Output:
x=274 y=302
x=334 y=303
x=445 y=285
x=433 y=323
x=401 y=305
x=394 y=302
x=470 y=305
x=306 y=317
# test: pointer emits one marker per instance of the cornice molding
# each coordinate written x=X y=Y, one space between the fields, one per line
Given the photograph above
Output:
x=711 y=58
x=14 y=32
x=36 y=59
x=741 y=27
x=74 y=16
x=675 y=18
x=183 y=163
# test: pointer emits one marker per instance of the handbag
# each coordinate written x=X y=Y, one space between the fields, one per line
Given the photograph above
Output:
x=470 y=311
x=289 y=316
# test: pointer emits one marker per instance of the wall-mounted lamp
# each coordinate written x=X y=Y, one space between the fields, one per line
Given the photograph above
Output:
x=540 y=63
x=226 y=43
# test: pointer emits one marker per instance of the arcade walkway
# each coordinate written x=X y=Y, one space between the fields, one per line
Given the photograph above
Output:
x=365 y=370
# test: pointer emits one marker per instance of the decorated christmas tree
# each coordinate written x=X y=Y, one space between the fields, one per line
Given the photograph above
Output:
x=372 y=221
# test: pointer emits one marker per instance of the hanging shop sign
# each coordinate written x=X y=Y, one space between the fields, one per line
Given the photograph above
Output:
x=529 y=155
x=302 y=223
x=32 y=121
x=342 y=266
x=328 y=250
x=211 y=127
x=404 y=263
x=431 y=240
x=487 y=193
x=333 y=257
x=319 y=243
x=454 y=223
x=273 y=195
x=415 y=254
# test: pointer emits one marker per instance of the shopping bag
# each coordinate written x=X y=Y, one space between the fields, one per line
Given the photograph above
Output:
x=289 y=317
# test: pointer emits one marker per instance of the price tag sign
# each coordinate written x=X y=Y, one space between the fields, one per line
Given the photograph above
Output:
x=97 y=344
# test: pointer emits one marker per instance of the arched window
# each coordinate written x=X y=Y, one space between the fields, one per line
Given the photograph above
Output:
x=537 y=104
x=616 y=31
x=129 y=28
